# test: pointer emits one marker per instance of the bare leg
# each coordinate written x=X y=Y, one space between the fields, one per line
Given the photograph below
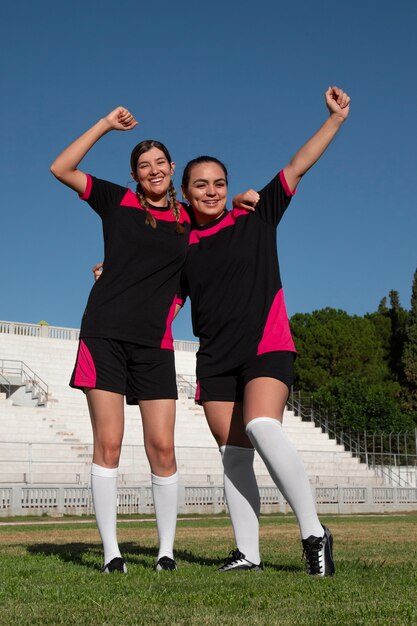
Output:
x=158 y=418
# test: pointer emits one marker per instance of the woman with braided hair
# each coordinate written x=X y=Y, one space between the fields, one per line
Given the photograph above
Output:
x=126 y=345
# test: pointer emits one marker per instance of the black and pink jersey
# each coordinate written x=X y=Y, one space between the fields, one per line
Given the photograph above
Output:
x=134 y=300
x=232 y=278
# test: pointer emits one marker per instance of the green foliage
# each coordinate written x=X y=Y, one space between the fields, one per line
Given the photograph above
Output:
x=332 y=344
x=362 y=370
x=399 y=321
x=357 y=405
x=409 y=357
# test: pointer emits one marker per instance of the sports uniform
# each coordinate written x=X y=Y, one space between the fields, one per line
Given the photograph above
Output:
x=238 y=312
x=126 y=343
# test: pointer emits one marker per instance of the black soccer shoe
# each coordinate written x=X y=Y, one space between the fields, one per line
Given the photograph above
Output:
x=237 y=561
x=318 y=552
x=117 y=564
x=165 y=563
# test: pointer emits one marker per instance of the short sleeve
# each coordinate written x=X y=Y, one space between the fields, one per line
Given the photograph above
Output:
x=274 y=199
x=102 y=195
x=183 y=290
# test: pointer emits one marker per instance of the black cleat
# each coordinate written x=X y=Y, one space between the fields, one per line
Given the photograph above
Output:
x=237 y=561
x=115 y=565
x=318 y=552
x=165 y=563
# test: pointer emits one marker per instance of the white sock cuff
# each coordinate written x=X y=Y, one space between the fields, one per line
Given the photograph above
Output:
x=236 y=450
x=104 y=472
x=258 y=420
x=164 y=480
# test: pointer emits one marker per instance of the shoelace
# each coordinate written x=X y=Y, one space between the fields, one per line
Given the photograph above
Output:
x=311 y=552
x=234 y=555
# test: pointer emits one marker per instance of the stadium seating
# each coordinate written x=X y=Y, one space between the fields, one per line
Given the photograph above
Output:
x=52 y=444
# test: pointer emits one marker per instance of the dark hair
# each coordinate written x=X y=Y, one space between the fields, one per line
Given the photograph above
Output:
x=138 y=150
x=201 y=159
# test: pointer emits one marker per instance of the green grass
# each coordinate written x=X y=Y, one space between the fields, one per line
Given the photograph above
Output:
x=51 y=575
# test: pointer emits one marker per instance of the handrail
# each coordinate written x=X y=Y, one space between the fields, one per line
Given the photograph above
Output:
x=30 y=378
x=309 y=411
x=5 y=384
x=187 y=383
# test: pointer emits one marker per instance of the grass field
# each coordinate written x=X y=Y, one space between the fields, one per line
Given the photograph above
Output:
x=50 y=574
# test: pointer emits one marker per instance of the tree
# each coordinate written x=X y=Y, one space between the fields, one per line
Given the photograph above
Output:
x=357 y=405
x=332 y=344
x=409 y=358
x=399 y=320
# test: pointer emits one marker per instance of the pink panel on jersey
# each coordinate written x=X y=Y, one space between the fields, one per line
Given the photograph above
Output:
x=285 y=184
x=87 y=192
x=168 y=341
x=277 y=334
x=131 y=199
x=229 y=220
x=85 y=373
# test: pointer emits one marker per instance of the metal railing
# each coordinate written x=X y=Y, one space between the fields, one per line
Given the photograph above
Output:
x=71 y=334
x=5 y=386
x=382 y=452
x=31 y=381
x=186 y=384
x=77 y=500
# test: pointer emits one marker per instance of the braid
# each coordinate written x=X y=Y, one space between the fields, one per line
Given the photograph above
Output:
x=179 y=228
x=150 y=220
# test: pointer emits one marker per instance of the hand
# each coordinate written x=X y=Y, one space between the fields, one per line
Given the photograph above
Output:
x=337 y=101
x=97 y=270
x=121 y=119
x=247 y=200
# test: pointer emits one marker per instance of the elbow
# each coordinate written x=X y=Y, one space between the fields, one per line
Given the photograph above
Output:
x=54 y=169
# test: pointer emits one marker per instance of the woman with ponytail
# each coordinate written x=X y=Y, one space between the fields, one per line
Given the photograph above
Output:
x=126 y=344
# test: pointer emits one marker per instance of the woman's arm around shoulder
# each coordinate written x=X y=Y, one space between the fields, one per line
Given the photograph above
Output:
x=65 y=166
x=246 y=200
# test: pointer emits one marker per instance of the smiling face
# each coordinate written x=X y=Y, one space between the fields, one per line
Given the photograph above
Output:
x=205 y=188
x=153 y=172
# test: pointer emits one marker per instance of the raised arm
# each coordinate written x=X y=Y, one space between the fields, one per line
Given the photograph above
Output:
x=337 y=102
x=64 y=168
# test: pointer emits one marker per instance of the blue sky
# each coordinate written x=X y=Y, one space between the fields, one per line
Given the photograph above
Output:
x=240 y=80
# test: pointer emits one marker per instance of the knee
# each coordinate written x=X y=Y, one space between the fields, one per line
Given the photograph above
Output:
x=109 y=453
x=161 y=455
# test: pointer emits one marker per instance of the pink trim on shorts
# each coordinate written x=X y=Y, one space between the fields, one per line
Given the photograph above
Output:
x=87 y=192
x=85 y=370
x=197 y=392
x=277 y=334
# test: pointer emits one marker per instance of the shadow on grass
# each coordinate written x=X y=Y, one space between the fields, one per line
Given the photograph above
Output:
x=87 y=554
x=284 y=568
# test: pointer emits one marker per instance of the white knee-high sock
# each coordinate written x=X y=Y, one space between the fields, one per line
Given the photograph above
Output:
x=104 y=491
x=165 y=501
x=287 y=471
x=242 y=496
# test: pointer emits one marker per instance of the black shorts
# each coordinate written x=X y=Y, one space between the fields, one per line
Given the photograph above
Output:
x=229 y=386
x=134 y=371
